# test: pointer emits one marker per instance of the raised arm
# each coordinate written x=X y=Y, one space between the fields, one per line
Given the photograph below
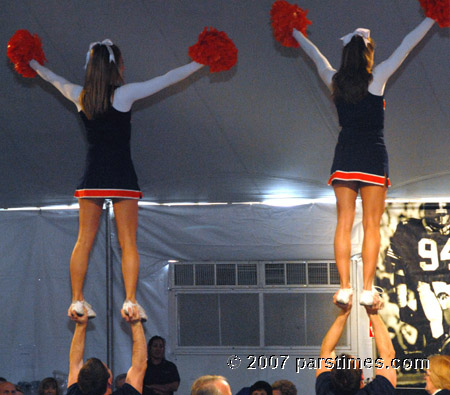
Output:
x=136 y=373
x=331 y=339
x=384 y=70
x=69 y=90
x=77 y=347
x=324 y=68
x=127 y=94
x=384 y=346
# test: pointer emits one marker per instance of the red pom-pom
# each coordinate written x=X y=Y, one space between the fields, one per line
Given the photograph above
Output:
x=214 y=49
x=439 y=10
x=285 y=17
x=23 y=47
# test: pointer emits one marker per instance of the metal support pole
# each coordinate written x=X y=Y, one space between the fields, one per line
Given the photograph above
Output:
x=109 y=287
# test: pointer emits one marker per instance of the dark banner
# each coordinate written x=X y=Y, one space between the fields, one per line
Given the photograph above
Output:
x=414 y=271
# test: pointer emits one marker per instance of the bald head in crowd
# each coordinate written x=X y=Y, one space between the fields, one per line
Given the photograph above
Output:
x=211 y=385
x=7 y=388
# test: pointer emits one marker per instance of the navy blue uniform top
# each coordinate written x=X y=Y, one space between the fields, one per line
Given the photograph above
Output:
x=109 y=170
x=360 y=153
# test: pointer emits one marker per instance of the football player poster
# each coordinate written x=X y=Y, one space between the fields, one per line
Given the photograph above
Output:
x=414 y=271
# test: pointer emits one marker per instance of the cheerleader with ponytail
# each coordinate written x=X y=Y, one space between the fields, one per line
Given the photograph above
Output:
x=360 y=162
x=104 y=104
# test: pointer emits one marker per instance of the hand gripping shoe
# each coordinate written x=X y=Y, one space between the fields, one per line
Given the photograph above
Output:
x=367 y=297
x=79 y=305
x=129 y=304
x=343 y=296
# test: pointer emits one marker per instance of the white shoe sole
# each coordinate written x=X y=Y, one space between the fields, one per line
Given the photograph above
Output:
x=344 y=295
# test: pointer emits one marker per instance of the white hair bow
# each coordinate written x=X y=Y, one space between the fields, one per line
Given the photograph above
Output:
x=107 y=42
x=364 y=33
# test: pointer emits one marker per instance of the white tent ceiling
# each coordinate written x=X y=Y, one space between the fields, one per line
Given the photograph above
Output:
x=263 y=129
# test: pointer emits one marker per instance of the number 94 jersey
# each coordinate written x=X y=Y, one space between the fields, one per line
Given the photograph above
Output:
x=419 y=253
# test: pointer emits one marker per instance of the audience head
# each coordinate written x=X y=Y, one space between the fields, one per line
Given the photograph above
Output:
x=119 y=380
x=94 y=378
x=211 y=385
x=261 y=388
x=437 y=375
x=7 y=388
x=48 y=386
x=156 y=347
x=284 y=387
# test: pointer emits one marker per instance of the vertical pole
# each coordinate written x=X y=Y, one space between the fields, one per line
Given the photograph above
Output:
x=109 y=287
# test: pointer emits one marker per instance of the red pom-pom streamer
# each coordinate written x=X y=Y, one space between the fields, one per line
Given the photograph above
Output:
x=439 y=10
x=23 y=47
x=285 y=17
x=214 y=49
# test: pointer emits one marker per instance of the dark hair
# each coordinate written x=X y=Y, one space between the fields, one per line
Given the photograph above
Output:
x=261 y=385
x=93 y=377
x=346 y=380
x=154 y=338
x=118 y=378
x=351 y=81
x=46 y=383
x=286 y=387
x=101 y=79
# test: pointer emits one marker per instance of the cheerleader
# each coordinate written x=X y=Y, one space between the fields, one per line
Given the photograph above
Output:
x=360 y=160
x=104 y=104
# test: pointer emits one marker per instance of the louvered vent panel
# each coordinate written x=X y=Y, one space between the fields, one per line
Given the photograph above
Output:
x=247 y=274
x=318 y=273
x=226 y=274
x=334 y=275
x=184 y=274
x=275 y=274
x=296 y=273
x=204 y=274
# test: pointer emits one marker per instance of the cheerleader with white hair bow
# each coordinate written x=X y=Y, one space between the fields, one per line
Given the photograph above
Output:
x=360 y=161
x=104 y=104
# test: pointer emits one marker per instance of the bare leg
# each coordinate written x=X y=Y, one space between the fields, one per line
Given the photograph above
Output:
x=346 y=193
x=89 y=217
x=126 y=213
x=373 y=197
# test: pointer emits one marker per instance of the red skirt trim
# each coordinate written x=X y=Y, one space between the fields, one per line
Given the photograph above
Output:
x=359 y=176
x=108 y=193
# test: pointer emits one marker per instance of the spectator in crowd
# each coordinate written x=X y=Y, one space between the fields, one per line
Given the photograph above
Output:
x=48 y=386
x=261 y=388
x=211 y=385
x=437 y=376
x=161 y=377
x=284 y=387
x=7 y=388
